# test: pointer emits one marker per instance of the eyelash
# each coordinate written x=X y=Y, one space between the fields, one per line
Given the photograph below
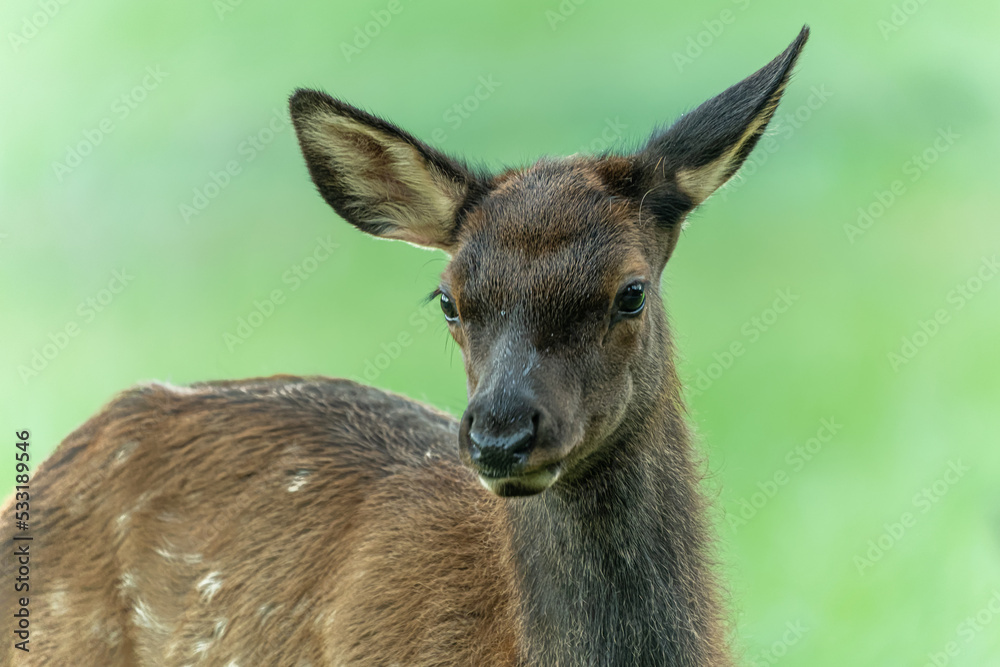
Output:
x=619 y=314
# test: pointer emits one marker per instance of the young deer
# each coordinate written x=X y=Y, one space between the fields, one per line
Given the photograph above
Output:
x=309 y=521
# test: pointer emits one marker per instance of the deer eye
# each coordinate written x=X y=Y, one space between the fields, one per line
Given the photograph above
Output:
x=631 y=300
x=449 y=308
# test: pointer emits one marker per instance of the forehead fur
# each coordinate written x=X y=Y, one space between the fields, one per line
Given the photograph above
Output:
x=547 y=230
x=550 y=207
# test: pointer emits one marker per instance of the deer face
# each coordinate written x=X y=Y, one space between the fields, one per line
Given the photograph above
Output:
x=553 y=288
x=550 y=295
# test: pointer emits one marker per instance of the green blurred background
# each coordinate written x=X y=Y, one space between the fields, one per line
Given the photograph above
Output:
x=885 y=92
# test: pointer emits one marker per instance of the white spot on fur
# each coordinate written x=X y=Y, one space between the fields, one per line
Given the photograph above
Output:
x=57 y=600
x=298 y=481
x=265 y=611
x=209 y=586
x=79 y=505
x=124 y=452
x=126 y=516
x=173 y=388
x=126 y=582
x=203 y=645
x=145 y=618
x=169 y=552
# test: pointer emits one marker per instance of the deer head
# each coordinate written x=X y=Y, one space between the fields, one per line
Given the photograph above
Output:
x=553 y=288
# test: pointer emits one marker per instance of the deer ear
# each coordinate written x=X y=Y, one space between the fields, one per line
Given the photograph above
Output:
x=680 y=167
x=705 y=147
x=376 y=176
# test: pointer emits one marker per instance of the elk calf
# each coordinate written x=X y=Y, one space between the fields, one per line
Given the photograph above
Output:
x=293 y=521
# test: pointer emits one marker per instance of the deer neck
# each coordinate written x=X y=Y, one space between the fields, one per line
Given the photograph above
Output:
x=613 y=564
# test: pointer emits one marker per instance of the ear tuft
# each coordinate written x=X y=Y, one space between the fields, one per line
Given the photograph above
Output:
x=705 y=147
x=376 y=176
x=680 y=167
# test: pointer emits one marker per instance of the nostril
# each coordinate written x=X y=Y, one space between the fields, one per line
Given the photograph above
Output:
x=523 y=440
x=499 y=443
x=500 y=455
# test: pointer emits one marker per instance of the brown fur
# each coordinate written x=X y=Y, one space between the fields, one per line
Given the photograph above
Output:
x=313 y=576
x=308 y=521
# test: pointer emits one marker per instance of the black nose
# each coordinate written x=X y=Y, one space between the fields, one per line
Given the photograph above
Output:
x=499 y=445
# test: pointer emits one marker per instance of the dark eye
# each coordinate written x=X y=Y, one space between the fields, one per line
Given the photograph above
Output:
x=632 y=299
x=448 y=308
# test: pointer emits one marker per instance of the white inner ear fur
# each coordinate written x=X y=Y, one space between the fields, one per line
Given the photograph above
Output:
x=398 y=188
x=700 y=182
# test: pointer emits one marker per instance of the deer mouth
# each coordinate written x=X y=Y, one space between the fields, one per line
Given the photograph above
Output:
x=525 y=483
